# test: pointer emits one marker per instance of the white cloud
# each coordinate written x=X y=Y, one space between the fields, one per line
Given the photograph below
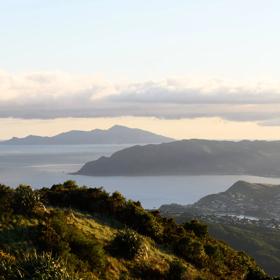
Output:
x=48 y=95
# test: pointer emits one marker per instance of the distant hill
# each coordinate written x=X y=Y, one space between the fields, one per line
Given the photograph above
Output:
x=115 y=135
x=242 y=198
x=192 y=157
x=247 y=216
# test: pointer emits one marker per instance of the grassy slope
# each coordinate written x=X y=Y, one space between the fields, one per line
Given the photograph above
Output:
x=261 y=243
x=100 y=217
x=104 y=231
x=16 y=237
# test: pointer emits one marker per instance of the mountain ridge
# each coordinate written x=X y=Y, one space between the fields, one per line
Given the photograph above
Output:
x=86 y=233
x=242 y=198
x=117 y=134
x=191 y=157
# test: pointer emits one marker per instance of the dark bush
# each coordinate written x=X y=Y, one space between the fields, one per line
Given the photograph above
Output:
x=177 y=271
x=148 y=272
x=212 y=251
x=34 y=266
x=70 y=185
x=6 y=210
x=25 y=199
x=87 y=249
x=191 y=250
x=199 y=229
x=49 y=240
x=6 y=196
x=97 y=200
x=126 y=244
x=65 y=240
x=256 y=274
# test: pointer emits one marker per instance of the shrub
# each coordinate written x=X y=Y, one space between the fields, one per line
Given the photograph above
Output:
x=199 y=229
x=177 y=271
x=66 y=186
x=126 y=244
x=256 y=274
x=66 y=240
x=25 y=200
x=133 y=215
x=148 y=272
x=70 y=185
x=6 y=197
x=97 y=200
x=191 y=250
x=212 y=251
x=36 y=267
x=7 y=270
x=49 y=240
x=87 y=249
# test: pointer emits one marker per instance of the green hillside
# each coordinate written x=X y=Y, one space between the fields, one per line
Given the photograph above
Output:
x=71 y=232
x=261 y=243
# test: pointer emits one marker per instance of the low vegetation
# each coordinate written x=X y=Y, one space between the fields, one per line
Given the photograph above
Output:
x=72 y=232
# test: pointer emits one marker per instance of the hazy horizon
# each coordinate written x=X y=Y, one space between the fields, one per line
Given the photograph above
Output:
x=117 y=124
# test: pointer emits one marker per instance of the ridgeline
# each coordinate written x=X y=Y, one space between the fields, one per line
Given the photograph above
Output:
x=72 y=232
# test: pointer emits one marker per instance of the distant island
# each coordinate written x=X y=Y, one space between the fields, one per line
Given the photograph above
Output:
x=191 y=157
x=114 y=135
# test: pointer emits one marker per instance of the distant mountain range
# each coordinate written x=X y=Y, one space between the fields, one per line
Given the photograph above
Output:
x=115 y=135
x=243 y=198
x=191 y=157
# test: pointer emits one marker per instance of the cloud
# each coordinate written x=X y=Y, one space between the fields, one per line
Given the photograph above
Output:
x=48 y=95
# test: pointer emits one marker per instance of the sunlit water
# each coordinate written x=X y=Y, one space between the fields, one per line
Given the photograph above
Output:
x=42 y=166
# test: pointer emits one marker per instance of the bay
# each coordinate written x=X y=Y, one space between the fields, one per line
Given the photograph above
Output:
x=43 y=166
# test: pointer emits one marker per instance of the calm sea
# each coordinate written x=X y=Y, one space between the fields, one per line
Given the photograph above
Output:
x=41 y=166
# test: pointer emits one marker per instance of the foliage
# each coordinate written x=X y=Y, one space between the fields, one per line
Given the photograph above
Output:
x=256 y=274
x=67 y=185
x=65 y=240
x=126 y=244
x=34 y=266
x=6 y=200
x=177 y=271
x=148 y=272
x=87 y=249
x=212 y=250
x=79 y=222
x=199 y=229
x=97 y=200
x=25 y=199
x=261 y=243
x=191 y=250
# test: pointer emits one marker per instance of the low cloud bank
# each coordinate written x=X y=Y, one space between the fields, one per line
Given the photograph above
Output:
x=57 y=95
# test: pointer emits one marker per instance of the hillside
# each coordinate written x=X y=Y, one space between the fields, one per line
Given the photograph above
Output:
x=246 y=216
x=68 y=232
x=243 y=198
x=115 y=135
x=191 y=157
x=260 y=201
x=261 y=243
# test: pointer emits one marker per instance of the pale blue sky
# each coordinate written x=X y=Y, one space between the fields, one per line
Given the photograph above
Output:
x=142 y=40
x=204 y=68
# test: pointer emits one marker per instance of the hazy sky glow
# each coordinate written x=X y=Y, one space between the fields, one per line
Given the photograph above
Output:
x=204 y=69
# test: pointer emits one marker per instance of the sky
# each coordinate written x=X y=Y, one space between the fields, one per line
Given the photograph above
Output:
x=186 y=69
